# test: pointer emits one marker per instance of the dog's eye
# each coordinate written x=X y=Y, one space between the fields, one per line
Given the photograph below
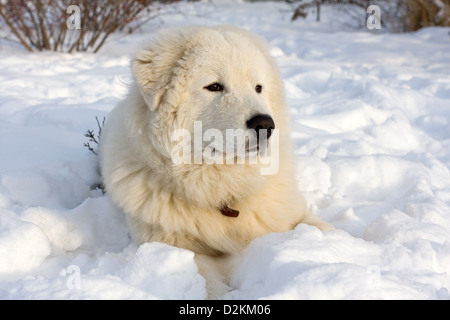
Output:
x=215 y=87
x=258 y=88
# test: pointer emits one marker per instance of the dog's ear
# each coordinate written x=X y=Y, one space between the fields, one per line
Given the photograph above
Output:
x=153 y=65
x=147 y=79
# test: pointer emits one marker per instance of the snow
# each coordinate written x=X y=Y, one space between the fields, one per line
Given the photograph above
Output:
x=370 y=117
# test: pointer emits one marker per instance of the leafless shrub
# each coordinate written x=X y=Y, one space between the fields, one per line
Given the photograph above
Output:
x=304 y=6
x=426 y=13
x=397 y=16
x=48 y=24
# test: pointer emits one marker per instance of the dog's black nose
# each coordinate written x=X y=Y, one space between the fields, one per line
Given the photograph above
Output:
x=261 y=121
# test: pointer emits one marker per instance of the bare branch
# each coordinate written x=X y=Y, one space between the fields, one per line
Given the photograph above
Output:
x=42 y=24
x=13 y=29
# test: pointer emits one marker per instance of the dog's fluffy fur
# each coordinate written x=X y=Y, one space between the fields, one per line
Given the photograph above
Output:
x=179 y=204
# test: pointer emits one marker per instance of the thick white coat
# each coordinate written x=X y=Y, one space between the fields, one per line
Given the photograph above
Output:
x=178 y=204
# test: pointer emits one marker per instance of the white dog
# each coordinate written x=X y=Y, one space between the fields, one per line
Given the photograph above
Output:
x=191 y=80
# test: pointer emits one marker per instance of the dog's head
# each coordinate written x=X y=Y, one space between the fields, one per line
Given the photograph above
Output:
x=212 y=95
x=210 y=83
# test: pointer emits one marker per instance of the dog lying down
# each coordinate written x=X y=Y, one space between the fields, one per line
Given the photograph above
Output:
x=198 y=155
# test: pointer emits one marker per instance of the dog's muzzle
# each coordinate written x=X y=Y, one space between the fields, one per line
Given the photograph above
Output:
x=261 y=122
